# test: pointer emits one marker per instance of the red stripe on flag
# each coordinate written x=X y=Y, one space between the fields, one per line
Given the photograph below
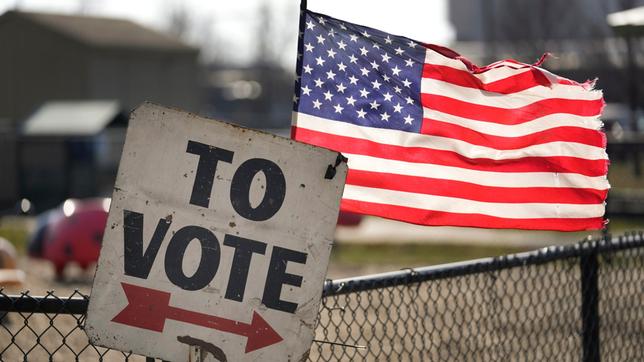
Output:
x=439 y=218
x=448 y=158
x=470 y=191
x=515 y=83
x=512 y=116
x=559 y=134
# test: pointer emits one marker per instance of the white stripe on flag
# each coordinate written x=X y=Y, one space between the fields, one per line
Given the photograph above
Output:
x=457 y=205
x=485 y=178
x=507 y=101
x=489 y=76
x=537 y=125
x=409 y=139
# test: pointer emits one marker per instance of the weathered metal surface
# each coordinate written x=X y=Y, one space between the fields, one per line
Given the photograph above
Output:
x=218 y=237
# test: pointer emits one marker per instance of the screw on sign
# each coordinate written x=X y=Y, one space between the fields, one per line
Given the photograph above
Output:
x=217 y=235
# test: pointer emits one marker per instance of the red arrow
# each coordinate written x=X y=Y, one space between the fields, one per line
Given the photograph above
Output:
x=149 y=308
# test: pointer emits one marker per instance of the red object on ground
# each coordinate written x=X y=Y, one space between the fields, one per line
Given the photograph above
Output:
x=74 y=233
x=349 y=219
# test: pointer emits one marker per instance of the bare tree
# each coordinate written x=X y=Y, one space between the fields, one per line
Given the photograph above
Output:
x=179 y=20
x=196 y=29
x=273 y=36
x=531 y=27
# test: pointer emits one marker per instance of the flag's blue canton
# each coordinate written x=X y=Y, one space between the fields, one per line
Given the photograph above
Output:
x=359 y=75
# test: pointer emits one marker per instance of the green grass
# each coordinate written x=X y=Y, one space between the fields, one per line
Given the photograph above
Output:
x=619 y=225
x=416 y=254
x=16 y=232
x=412 y=254
x=620 y=175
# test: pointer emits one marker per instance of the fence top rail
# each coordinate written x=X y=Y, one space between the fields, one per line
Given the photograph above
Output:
x=77 y=302
x=49 y=303
x=491 y=264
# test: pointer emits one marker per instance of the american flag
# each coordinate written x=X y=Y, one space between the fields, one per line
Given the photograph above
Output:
x=433 y=139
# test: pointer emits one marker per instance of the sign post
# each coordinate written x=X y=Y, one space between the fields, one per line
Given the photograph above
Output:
x=217 y=241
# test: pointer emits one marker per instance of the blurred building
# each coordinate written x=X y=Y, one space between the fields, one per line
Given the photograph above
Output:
x=494 y=26
x=257 y=96
x=50 y=57
x=70 y=149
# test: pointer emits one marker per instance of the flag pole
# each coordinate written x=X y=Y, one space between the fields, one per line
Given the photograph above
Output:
x=300 y=36
x=300 y=54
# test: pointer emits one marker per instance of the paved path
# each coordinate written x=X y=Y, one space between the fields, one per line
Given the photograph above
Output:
x=378 y=230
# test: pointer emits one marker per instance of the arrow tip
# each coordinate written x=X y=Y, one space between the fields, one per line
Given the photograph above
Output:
x=261 y=334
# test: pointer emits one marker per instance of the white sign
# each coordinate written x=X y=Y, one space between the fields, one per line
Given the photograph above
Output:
x=217 y=237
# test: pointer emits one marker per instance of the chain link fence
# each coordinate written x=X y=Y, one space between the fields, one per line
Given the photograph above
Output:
x=578 y=302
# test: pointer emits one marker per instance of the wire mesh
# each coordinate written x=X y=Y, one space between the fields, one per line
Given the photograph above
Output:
x=49 y=328
x=621 y=303
x=584 y=301
x=530 y=311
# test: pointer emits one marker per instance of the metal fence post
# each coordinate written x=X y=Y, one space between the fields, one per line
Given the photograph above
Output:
x=589 y=305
